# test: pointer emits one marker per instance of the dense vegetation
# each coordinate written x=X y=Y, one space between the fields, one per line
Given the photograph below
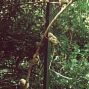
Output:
x=21 y=26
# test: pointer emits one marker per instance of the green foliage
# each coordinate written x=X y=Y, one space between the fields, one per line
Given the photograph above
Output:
x=20 y=26
x=75 y=74
x=69 y=69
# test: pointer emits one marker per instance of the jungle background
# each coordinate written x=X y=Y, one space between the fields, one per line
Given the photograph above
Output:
x=22 y=25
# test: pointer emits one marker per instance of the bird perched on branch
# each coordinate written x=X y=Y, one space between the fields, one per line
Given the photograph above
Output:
x=53 y=39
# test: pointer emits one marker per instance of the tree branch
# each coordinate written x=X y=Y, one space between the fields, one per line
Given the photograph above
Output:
x=45 y=34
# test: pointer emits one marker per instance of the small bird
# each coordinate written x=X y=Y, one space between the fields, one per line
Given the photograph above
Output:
x=53 y=39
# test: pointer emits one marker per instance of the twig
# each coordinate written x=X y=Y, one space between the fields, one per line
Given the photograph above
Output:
x=41 y=2
x=60 y=75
